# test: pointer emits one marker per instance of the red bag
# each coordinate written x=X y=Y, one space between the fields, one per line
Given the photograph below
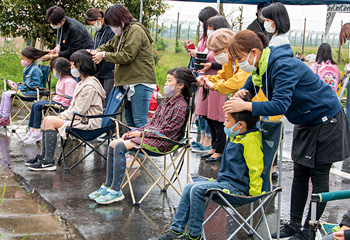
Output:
x=153 y=104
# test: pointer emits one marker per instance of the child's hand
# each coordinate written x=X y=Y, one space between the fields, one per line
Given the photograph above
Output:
x=134 y=134
x=241 y=93
x=125 y=135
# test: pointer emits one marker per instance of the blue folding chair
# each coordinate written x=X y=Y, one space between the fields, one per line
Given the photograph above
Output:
x=319 y=229
x=272 y=132
x=177 y=157
x=114 y=107
x=33 y=94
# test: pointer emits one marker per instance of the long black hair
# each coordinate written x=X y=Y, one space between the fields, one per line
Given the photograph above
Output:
x=218 y=22
x=277 y=12
x=33 y=53
x=82 y=60
x=324 y=53
x=203 y=16
x=185 y=76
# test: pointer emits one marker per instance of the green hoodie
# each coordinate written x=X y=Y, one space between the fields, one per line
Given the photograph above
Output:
x=134 y=60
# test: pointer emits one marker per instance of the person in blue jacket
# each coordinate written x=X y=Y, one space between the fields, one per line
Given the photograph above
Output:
x=321 y=131
x=32 y=77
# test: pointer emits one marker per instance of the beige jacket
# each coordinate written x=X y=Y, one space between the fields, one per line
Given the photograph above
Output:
x=87 y=100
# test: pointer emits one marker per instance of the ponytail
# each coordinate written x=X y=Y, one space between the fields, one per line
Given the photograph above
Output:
x=244 y=41
x=33 y=53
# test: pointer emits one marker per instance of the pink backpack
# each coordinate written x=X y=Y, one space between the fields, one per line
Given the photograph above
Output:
x=329 y=73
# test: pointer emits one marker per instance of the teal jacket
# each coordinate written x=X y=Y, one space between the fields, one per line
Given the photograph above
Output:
x=242 y=162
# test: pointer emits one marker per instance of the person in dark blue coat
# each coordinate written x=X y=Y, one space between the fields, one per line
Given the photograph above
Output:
x=103 y=33
x=321 y=131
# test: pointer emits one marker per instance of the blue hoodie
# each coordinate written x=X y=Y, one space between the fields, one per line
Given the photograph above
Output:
x=293 y=90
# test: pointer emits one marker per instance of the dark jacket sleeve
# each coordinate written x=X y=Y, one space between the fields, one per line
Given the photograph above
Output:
x=216 y=66
x=345 y=220
x=347 y=234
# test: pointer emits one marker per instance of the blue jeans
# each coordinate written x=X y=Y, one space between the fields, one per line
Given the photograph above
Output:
x=36 y=113
x=192 y=205
x=204 y=126
x=136 y=110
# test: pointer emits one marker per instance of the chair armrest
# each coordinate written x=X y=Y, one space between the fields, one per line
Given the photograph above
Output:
x=96 y=116
x=162 y=136
x=121 y=123
x=61 y=95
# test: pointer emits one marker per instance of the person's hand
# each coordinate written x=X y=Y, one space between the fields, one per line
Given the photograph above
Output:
x=125 y=135
x=200 y=81
x=97 y=57
x=208 y=84
x=135 y=134
x=207 y=66
x=193 y=52
x=344 y=33
x=45 y=58
x=93 y=52
x=235 y=104
x=241 y=93
x=339 y=235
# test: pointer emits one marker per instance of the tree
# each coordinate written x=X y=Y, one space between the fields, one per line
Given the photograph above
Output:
x=26 y=18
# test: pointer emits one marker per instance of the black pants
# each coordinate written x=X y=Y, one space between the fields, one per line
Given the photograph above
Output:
x=300 y=189
x=108 y=85
x=218 y=136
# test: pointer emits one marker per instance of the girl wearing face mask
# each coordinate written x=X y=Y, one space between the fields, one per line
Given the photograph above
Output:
x=87 y=100
x=103 y=33
x=131 y=52
x=295 y=91
x=168 y=120
x=277 y=23
x=32 y=76
x=64 y=87
x=211 y=110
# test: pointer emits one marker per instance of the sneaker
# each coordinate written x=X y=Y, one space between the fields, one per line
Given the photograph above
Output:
x=43 y=166
x=35 y=137
x=169 y=235
x=189 y=237
x=301 y=235
x=4 y=122
x=98 y=193
x=110 y=196
x=288 y=230
x=201 y=149
x=194 y=144
x=27 y=136
x=38 y=158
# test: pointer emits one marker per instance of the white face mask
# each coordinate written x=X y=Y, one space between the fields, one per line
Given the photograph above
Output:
x=75 y=72
x=268 y=27
x=261 y=16
x=96 y=27
x=55 y=26
x=245 y=66
x=209 y=32
x=222 y=58
x=118 y=30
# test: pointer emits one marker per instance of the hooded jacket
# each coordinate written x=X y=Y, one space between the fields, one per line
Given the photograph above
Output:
x=134 y=59
x=87 y=100
x=293 y=90
x=242 y=162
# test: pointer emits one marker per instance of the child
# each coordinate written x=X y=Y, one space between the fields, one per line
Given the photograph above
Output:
x=65 y=86
x=325 y=67
x=87 y=100
x=32 y=76
x=168 y=120
x=240 y=173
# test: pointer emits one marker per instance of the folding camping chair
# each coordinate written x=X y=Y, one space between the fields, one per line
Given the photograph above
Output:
x=272 y=132
x=54 y=108
x=177 y=154
x=114 y=106
x=35 y=94
x=318 y=229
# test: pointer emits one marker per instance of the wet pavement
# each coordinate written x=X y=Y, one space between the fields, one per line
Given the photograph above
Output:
x=66 y=193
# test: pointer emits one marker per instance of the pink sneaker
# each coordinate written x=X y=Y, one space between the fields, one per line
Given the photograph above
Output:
x=27 y=136
x=4 y=122
x=35 y=137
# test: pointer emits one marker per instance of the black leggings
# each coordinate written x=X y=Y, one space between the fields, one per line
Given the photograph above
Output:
x=218 y=136
x=300 y=189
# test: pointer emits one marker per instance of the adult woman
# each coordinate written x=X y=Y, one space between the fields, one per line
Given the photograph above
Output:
x=213 y=113
x=65 y=86
x=87 y=100
x=321 y=130
x=103 y=33
x=71 y=34
x=131 y=51
x=277 y=22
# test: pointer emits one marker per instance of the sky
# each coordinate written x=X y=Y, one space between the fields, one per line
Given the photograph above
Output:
x=315 y=15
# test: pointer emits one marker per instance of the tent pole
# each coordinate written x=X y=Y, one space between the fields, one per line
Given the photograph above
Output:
x=302 y=48
x=141 y=8
x=218 y=6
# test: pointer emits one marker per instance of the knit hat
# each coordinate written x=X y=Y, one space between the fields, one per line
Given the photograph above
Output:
x=219 y=39
x=261 y=5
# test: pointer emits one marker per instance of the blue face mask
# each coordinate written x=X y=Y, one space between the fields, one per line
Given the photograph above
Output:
x=58 y=76
x=230 y=133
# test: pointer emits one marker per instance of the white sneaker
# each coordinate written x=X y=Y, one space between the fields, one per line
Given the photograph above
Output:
x=35 y=137
x=27 y=136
